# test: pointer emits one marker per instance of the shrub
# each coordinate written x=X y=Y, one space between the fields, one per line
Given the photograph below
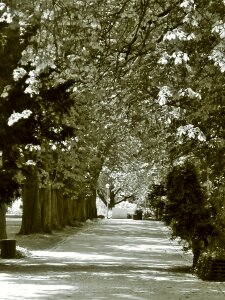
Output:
x=186 y=209
x=211 y=265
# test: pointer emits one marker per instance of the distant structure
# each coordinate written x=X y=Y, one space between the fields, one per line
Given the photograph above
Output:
x=119 y=213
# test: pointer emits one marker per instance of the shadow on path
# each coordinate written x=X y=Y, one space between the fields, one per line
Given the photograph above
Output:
x=110 y=259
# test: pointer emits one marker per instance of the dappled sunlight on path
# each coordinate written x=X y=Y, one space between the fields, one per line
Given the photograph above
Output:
x=110 y=259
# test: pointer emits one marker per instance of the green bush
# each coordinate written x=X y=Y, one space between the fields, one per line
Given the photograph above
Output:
x=211 y=265
x=204 y=266
x=186 y=209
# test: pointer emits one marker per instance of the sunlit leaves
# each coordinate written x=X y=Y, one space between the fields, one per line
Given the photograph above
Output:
x=191 y=131
x=164 y=94
x=152 y=70
x=15 y=117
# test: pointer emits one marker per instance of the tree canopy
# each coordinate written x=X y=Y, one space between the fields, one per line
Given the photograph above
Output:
x=97 y=78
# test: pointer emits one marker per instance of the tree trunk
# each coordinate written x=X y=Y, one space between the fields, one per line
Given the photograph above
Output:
x=70 y=211
x=60 y=207
x=91 y=206
x=31 y=219
x=45 y=199
x=54 y=217
x=80 y=210
x=3 y=234
x=66 y=216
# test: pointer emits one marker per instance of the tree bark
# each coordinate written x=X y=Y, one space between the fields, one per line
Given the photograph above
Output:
x=91 y=206
x=3 y=234
x=60 y=207
x=31 y=218
x=54 y=210
x=67 y=211
x=80 y=210
x=45 y=199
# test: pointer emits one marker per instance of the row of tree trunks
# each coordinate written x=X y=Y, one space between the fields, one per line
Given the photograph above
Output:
x=46 y=209
x=85 y=208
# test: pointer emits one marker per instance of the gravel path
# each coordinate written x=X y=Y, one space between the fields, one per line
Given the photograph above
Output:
x=107 y=259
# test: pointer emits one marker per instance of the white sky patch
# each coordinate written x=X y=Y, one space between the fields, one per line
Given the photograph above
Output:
x=15 y=117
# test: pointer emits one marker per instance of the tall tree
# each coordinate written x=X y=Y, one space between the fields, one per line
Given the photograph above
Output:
x=30 y=118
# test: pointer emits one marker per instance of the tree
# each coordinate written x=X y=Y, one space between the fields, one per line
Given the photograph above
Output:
x=9 y=34
x=30 y=118
x=125 y=172
x=187 y=211
x=179 y=70
x=149 y=70
x=192 y=52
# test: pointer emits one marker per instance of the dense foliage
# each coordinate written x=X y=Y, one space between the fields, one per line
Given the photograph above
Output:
x=26 y=119
x=156 y=200
x=115 y=88
x=187 y=211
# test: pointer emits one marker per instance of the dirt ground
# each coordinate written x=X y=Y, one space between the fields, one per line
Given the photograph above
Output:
x=37 y=241
x=104 y=259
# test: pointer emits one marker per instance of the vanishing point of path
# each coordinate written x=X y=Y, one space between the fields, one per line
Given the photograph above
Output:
x=108 y=259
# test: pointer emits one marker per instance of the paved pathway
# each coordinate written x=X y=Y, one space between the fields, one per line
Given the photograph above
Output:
x=109 y=259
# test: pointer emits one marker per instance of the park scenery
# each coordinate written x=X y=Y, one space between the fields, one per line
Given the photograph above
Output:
x=112 y=149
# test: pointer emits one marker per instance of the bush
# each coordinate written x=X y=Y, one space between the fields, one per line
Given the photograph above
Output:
x=211 y=265
x=203 y=266
x=186 y=209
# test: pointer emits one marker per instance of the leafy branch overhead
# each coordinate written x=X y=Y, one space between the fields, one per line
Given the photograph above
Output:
x=117 y=87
